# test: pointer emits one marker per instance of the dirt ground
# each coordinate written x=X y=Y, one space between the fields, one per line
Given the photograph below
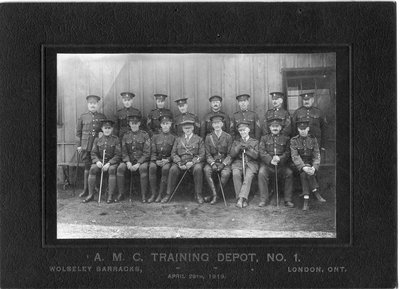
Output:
x=184 y=218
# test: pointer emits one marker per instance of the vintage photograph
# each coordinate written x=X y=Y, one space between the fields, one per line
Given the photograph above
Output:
x=190 y=145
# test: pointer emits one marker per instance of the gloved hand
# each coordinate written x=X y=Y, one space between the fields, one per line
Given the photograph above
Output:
x=220 y=166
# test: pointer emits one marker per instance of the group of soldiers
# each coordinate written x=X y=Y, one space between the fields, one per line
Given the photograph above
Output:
x=162 y=149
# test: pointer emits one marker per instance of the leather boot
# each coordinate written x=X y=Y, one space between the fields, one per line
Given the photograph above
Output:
x=305 y=205
x=166 y=198
x=85 y=184
x=200 y=199
x=319 y=197
x=121 y=188
x=152 y=197
x=91 y=185
x=111 y=188
x=213 y=191
x=160 y=191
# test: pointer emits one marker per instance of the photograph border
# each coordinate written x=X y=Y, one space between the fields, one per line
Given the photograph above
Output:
x=343 y=133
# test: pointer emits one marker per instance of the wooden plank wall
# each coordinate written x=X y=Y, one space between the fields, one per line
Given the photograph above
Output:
x=196 y=76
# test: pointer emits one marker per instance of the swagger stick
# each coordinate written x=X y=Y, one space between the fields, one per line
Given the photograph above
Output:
x=244 y=167
x=77 y=168
x=130 y=187
x=177 y=186
x=222 y=189
x=276 y=181
x=101 y=176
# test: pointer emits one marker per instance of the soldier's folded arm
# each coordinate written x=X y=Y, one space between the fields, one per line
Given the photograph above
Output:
x=174 y=154
x=235 y=149
x=117 y=154
x=298 y=162
x=252 y=151
x=284 y=157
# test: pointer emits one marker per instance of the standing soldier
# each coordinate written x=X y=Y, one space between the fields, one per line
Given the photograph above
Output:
x=88 y=128
x=135 y=157
x=153 y=123
x=160 y=160
x=109 y=146
x=188 y=155
x=278 y=112
x=244 y=153
x=274 y=153
x=316 y=118
x=184 y=115
x=124 y=113
x=245 y=115
x=218 y=145
x=206 y=124
x=305 y=155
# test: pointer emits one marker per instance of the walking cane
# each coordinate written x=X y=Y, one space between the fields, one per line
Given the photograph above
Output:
x=222 y=189
x=276 y=182
x=77 y=167
x=130 y=187
x=177 y=186
x=101 y=176
x=244 y=167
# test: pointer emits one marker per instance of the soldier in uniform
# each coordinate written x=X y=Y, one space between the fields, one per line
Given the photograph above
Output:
x=244 y=153
x=88 y=128
x=135 y=157
x=278 y=112
x=217 y=145
x=109 y=145
x=206 y=124
x=306 y=157
x=122 y=125
x=184 y=114
x=315 y=116
x=187 y=154
x=274 y=152
x=153 y=123
x=246 y=115
x=160 y=160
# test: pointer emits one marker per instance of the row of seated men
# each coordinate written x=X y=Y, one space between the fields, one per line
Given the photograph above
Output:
x=175 y=156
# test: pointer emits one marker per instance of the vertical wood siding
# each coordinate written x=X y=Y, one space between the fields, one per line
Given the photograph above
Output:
x=195 y=76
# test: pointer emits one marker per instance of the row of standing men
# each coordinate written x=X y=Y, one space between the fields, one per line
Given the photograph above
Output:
x=175 y=156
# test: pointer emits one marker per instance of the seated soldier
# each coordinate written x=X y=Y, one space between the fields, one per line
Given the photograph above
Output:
x=135 y=157
x=160 y=160
x=217 y=145
x=274 y=153
x=188 y=155
x=306 y=157
x=106 y=155
x=244 y=153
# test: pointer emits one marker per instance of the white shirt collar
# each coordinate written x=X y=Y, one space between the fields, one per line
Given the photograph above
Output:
x=218 y=135
x=246 y=139
x=188 y=137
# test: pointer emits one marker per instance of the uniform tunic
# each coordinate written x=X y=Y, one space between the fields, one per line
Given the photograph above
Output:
x=135 y=149
x=112 y=147
x=88 y=127
x=317 y=122
x=206 y=124
x=248 y=116
x=242 y=189
x=283 y=115
x=122 y=120
x=270 y=145
x=183 y=152
x=184 y=116
x=218 y=151
x=305 y=152
x=153 y=122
